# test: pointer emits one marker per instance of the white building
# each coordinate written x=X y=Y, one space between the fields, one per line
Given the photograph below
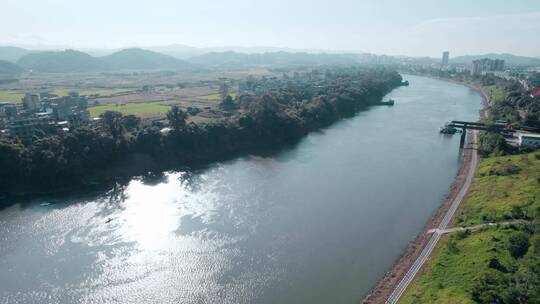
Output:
x=31 y=102
x=529 y=139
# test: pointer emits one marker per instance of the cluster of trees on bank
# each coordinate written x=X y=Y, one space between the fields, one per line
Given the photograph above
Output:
x=123 y=146
x=515 y=107
x=519 y=281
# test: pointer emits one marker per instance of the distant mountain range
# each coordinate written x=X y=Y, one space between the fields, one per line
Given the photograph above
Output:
x=71 y=61
x=509 y=59
x=16 y=60
x=230 y=58
x=61 y=62
x=139 y=59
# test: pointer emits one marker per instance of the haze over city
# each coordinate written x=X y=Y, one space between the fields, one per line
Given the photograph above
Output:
x=413 y=28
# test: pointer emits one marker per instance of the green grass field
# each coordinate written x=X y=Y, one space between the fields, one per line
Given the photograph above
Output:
x=130 y=109
x=93 y=91
x=501 y=184
x=460 y=260
x=11 y=96
x=215 y=96
x=449 y=274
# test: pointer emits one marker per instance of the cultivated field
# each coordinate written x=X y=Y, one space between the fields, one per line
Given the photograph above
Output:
x=11 y=96
x=140 y=109
x=146 y=94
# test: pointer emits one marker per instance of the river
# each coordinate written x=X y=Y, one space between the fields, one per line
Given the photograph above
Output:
x=319 y=222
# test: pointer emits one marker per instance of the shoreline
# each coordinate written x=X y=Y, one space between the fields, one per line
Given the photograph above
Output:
x=125 y=170
x=387 y=283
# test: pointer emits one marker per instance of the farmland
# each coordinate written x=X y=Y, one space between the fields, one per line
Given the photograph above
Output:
x=214 y=96
x=11 y=96
x=93 y=91
x=140 y=109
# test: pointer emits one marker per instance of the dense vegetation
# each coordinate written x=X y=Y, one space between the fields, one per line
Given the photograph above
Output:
x=510 y=104
x=268 y=113
x=494 y=264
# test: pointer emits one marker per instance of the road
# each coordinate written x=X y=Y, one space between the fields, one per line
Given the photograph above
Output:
x=455 y=229
x=439 y=231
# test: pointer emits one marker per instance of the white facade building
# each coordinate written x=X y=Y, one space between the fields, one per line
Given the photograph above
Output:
x=529 y=139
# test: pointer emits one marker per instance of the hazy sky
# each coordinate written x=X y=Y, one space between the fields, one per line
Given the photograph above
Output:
x=407 y=27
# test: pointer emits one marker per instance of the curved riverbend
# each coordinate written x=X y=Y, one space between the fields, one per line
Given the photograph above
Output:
x=318 y=223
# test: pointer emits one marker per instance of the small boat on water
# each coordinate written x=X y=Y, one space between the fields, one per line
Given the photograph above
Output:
x=390 y=102
x=45 y=204
x=108 y=220
x=447 y=129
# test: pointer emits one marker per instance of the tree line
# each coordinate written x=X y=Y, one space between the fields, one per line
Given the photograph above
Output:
x=270 y=113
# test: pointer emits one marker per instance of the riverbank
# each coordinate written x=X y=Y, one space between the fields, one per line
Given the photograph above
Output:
x=380 y=293
x=382 y=290
x=504 y=192
x=254 y=217
x=115 y=151
x=476 y=87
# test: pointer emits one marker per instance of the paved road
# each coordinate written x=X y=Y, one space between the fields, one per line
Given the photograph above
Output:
x=474 y=227
x=422 y=258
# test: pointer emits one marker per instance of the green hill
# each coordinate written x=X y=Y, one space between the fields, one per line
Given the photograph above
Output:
x=139 y=59
x=495 y=263
x=62 y=62
x=8 y=69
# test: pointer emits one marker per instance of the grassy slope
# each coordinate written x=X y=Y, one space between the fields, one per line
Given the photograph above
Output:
x=448 y=276
x=132 y=108
x=495 y=92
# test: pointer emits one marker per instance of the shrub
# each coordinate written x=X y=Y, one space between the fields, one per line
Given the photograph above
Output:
x=518 y=244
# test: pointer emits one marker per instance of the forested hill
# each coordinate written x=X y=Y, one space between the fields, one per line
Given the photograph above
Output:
x=9 y=69
x=61 y=62
x=71 y=61
x=139 y=59
x=267 y=113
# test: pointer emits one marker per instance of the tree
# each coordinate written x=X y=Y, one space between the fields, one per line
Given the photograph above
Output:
x=492 y=144
x=11 y=162
x=223 y=90
x=228 y=104
x=177 y=118
x=131 y=122
x=112 y=121
x=488 y=288
x=518 y=244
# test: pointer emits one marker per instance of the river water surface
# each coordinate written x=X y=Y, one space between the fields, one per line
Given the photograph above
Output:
x=317 y=223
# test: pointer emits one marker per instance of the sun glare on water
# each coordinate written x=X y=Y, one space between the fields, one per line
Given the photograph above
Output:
x=151 y=214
